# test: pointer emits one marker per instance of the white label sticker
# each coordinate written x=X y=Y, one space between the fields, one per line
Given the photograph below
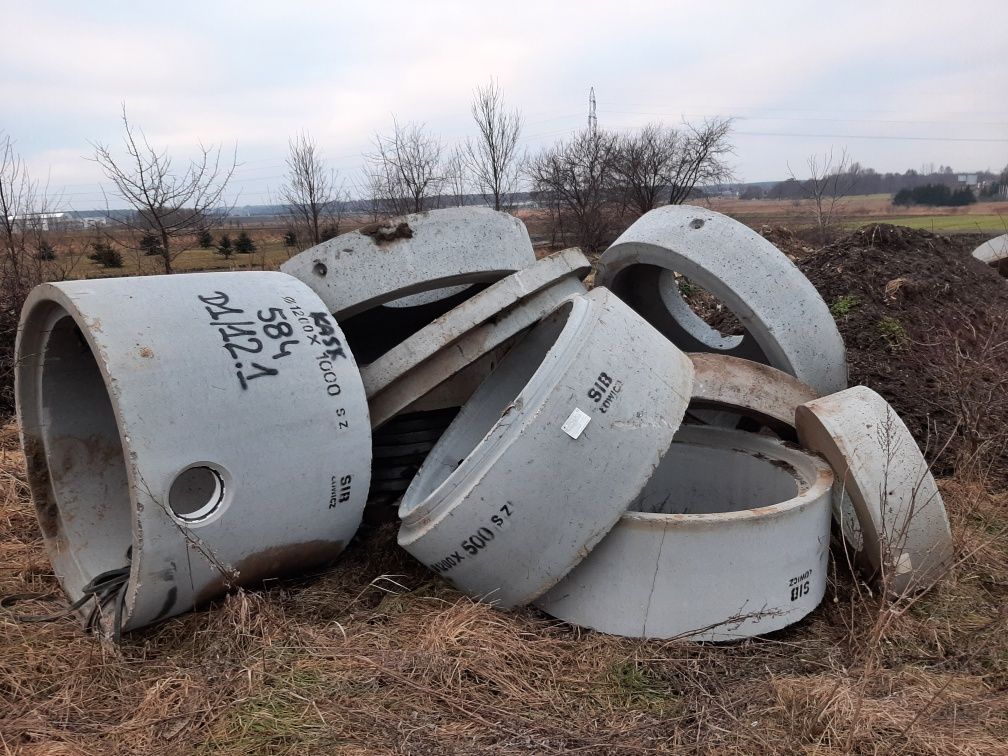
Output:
x=576 y=423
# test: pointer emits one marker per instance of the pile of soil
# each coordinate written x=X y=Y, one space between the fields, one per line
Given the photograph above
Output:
x=926 y=325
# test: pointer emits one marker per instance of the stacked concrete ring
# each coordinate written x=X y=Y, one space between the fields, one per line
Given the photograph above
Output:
x=592 y=396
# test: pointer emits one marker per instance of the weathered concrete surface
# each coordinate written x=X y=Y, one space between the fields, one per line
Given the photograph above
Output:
x=993 y=250
x=740 y=388
x=788 y=326
x=905 y=530
x=729 y=539
x=415 y=367
x=214 y=425
x=413 y=255
x=548 y=452
x=747 y=388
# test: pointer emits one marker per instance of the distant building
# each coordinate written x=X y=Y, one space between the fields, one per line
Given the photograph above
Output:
x=969 y=179
x=45 y=221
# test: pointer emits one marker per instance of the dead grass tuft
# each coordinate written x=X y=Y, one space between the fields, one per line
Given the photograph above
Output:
x=377 y=656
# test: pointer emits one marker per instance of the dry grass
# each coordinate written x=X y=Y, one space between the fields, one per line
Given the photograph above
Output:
x=378 y=656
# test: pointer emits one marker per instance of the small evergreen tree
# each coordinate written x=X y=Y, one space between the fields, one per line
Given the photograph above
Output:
x=224 y=248
x=244 y=244
x=105 y=256
x=290 y=238
x=150 y=245
x=205 y=239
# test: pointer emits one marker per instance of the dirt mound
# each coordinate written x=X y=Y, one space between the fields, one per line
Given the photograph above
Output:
x=786 y=240
x=926 y=326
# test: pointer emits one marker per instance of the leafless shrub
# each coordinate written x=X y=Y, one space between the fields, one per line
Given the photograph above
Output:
x=408 y=168
x=831 y=178
x=577 y=177
x=968 y=354
x=312 y=194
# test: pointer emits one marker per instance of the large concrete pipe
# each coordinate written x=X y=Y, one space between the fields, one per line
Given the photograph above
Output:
x=387 y=280
x=787 y=324
x=485 y=322
x=189 y=433
x=548 y=453
x=905 y=530
x=729 y=539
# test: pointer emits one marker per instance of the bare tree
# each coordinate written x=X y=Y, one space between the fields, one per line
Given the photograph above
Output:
x=492 y=158
x=658 y=162
x=26 y=256
x=171 y=205
x=17 y=213
x=831 y=178
x=411 y=166
x=456 y=177
x=577 y=177
x=312 y=192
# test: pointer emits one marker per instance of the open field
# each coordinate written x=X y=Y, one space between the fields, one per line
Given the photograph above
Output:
x=941 y=224
x=985 y=218
x=982 y=217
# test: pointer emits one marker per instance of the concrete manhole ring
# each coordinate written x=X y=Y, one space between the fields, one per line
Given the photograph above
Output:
x=787 y=324
x=457 y=339
x=166 y=418
x=592 y=396
x=905 y=529
x=729 y=539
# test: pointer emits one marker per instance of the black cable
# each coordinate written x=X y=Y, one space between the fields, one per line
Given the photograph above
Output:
x=105 y=587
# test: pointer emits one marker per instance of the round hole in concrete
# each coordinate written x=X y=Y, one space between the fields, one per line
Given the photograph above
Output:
x=196 y=493
x=700 y=313
x=680 y=307
x=320 y=269
x=696 y=223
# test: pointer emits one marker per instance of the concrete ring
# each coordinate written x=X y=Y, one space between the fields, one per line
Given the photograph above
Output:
x=457 y=339
x=750 y=389
x=905 y=529
x=592 y=397
x=729 y=539
x=787 y=324
x=166 y=418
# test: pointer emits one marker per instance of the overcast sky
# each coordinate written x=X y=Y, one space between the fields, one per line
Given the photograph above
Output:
x=899 y=84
